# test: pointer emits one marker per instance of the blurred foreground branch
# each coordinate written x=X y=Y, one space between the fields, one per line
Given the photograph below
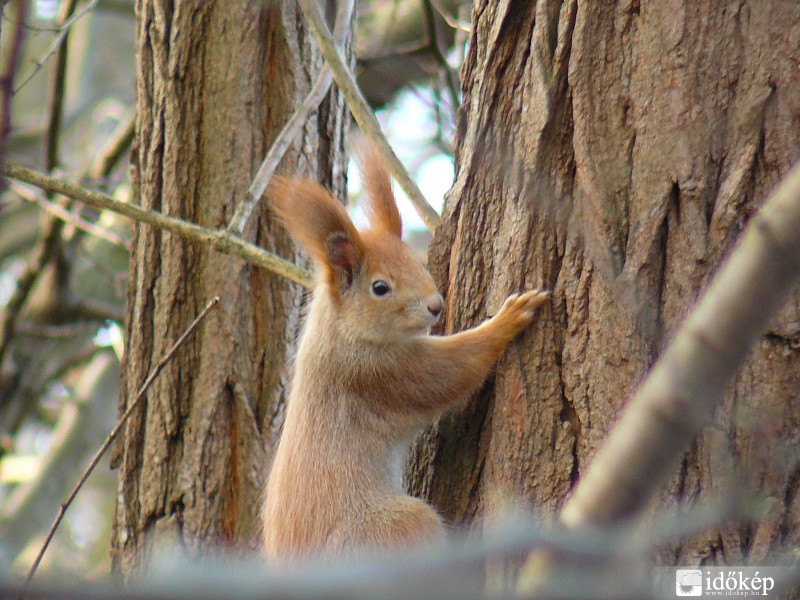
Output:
x=679 y=395
x=682 y=390
x=451 y=571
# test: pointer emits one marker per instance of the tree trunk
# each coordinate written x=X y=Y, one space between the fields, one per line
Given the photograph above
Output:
x=215 y=83
x=613 y=153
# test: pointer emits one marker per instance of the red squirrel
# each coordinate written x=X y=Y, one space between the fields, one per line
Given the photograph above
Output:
x=368 y=377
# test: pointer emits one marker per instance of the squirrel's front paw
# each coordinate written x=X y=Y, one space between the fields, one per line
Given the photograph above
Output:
x=518 y=309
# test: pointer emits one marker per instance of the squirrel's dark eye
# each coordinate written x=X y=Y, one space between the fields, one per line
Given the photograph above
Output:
x=380 y=287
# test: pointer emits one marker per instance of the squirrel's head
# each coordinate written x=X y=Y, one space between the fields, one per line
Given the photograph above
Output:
x=378 y=286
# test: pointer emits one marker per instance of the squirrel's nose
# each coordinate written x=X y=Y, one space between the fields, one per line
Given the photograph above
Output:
x=435 y=306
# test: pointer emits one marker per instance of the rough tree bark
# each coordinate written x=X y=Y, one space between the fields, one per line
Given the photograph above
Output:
x=613 y=152
x=216 y=80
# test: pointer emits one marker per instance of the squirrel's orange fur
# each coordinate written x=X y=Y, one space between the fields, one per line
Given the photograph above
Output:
x=367 y=378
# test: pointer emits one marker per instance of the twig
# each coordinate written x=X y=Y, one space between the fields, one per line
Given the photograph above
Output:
x=51 y=236
x=221 y=240
x=27 y=26
x=679 y=395
x=362 y=113
x=62 y=33
x=450 y=76
x=7 y=77
x=69 y=217
x=291 y=129
x=56 y=103
x=277 y=150
x=115 y=432
x=453 y=22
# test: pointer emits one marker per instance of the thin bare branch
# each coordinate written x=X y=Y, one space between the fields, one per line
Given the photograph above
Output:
x=277 y=150
x=63 y=31
x=56 y=332
x=50 y=239
x=457 y=23
x=68 y=216
x=362 y=113
x=221 y=240
x=137 y=401
x=394 y=51
x=95 y=310
x=292 y=128
x=450 y=75
x=55 y=110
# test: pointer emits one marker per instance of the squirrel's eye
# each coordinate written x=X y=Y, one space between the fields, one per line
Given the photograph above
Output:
x=380 y=287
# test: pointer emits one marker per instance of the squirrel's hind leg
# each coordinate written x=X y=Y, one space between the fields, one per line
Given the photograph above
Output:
x=397 y=523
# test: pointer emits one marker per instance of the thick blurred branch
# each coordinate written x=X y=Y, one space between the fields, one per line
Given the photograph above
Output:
x=678 y=397
x=446 y=572
x=220 y=240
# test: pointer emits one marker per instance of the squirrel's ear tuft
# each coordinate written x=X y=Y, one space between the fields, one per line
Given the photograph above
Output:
x=321 y=225
x=379 y=201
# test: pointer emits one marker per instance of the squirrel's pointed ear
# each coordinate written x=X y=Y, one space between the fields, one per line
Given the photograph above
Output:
x=321 y=225
x=379 y=202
